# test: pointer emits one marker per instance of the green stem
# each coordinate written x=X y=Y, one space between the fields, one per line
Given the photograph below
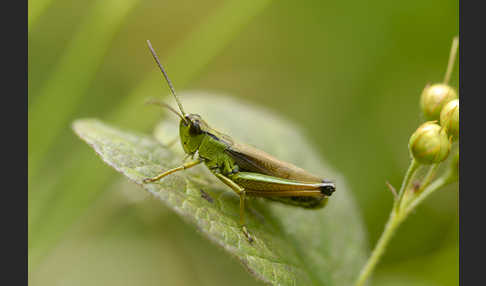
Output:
x=428 y=178
x=425 y=182
x=437 y=184
x=406 y=181
x=393 y=222
x=400 y=212
x=452 y=57
x=390 y=227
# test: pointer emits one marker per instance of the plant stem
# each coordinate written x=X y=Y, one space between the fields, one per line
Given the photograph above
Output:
x=439 y=183
x=393 y=222
x=428 y=178
x=452 y=57
x=425 y=182
x=401 y=210
x=406 y=181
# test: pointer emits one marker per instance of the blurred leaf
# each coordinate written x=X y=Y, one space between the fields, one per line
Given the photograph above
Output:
x=52 y=210
x=72 y=76
x=36 y=8
x=292 y=245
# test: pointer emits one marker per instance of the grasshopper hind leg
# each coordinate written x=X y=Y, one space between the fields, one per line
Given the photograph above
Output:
x=242 y=216
x=240 y=191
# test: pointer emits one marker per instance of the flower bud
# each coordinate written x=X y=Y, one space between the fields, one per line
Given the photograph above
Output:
x=449 y=118
x=434 y=97
x=429 y=143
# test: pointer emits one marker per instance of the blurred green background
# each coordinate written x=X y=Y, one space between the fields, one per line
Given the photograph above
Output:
x=348 y=72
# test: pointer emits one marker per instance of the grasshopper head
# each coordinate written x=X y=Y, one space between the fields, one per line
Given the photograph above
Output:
x=191 y=131
x=191 y=127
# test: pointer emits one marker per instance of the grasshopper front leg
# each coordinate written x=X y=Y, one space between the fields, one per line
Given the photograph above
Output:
x=242 y=193
x=168 y=172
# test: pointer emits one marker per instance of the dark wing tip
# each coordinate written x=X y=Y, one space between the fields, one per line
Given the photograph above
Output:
x=327 y=188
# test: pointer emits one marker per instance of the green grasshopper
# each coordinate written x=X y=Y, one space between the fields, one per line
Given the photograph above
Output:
x=245 y=169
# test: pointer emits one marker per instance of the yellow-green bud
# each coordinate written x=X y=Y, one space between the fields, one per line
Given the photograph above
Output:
x=434 y=97
x=429 y=143
x=449 y=118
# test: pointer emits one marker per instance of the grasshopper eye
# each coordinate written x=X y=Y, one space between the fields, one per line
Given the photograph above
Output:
x=195 y=128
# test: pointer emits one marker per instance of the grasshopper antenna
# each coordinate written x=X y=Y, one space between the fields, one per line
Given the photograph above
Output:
x=172 y=90
x=163 y=104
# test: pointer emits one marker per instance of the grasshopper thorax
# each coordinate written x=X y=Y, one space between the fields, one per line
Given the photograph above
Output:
x=191 y=130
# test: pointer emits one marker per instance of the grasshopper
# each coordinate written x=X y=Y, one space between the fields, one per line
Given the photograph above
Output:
x=247 y=170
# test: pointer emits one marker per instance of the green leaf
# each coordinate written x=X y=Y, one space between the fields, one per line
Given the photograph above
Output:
x=292 y=246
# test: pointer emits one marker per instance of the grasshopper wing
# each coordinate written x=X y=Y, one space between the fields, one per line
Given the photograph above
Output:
x=251 y=159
